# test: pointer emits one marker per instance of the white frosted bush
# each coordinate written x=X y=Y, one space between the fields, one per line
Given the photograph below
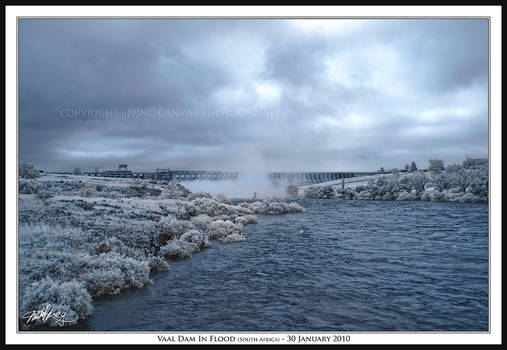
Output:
x=432 y=195
x=323 y=192
x=71 y=297
x=190 y=242
x=29 y=186
x=220 y=229
x=213 y=208
x=272 y=206
x=233 y=237
x=452 y=195
x=170 y=228
x=223 y=199
x=43 y=195
x=194 y=236
x=28 y=171
x=468 y=198
x=108 y=273
x=247 y=219
x=459 y=177
x=88 y=191
x=407 y=196
x=240 y=220
x=175 y=190
x=384 y=187
x=198 y=195
x=346 y=193
x=201 y=222
x=140 y=189
x=365 y=194
x=446 y=184
x=177 y=249
x=156 y=263
x=414 y=182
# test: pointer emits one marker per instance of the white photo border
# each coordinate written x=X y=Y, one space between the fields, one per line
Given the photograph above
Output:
x=13 y=336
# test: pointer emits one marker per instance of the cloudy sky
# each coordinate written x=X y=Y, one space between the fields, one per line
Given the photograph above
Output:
x=245 y=95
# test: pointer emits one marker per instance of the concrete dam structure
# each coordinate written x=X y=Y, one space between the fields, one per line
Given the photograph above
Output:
x=307 y=177
x=278 y=178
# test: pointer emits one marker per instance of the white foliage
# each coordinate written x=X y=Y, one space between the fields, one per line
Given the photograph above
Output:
x=190 y=242
x=222 y=199
x=233 y=237
x=221 y=229
x=246 y=219
x=272 y=205
x=71 y=297
x=108 y=273
x=175 y=190
x=323 y=192
x=443 y=184
x=94 y=238
x=407 y=196
x=28 y=171
x=88 y=191
x=364 y=194
x=29 y=186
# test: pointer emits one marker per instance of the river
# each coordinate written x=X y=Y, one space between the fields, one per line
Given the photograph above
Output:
x=340 y=266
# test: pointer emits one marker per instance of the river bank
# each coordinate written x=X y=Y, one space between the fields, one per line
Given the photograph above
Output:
x=82 y=237
x=467 y=183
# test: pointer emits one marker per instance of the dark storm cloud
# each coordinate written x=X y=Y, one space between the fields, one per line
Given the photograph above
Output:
x=252 y=94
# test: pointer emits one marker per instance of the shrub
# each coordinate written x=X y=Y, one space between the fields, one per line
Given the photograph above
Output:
x=320 y=192
x=364 y=194
x=415 y=182
x=221 y=229
x=272 y=206
x=436 y=165
x=199 y=195
x=108 y=273
x=407 y=196
x=43 y=195
x=384 y=187
x=475 y=163
x=469 y=198
x=70 y=297
x=190 y=242
x=144 y=190
x=176 y=190
x=27 y=171
x=223 y=199
x=29 y=186
x=88 y=191
x=85 y=205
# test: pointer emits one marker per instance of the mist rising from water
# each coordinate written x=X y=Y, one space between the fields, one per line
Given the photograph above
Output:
x=244 y=187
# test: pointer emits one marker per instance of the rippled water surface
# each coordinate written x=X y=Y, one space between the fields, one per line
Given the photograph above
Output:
x=341 y=265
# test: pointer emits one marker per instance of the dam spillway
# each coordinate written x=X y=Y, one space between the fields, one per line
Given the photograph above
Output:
x=278 y=178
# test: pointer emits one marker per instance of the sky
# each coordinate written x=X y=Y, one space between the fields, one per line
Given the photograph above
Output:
x=251 y=95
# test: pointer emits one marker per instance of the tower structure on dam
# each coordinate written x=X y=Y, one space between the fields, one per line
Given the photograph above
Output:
x=122 y=171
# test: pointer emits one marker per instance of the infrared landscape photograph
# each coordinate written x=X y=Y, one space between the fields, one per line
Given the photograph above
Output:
x=253 y=175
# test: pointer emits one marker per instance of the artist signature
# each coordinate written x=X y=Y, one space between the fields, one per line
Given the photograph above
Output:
x=47 y=313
